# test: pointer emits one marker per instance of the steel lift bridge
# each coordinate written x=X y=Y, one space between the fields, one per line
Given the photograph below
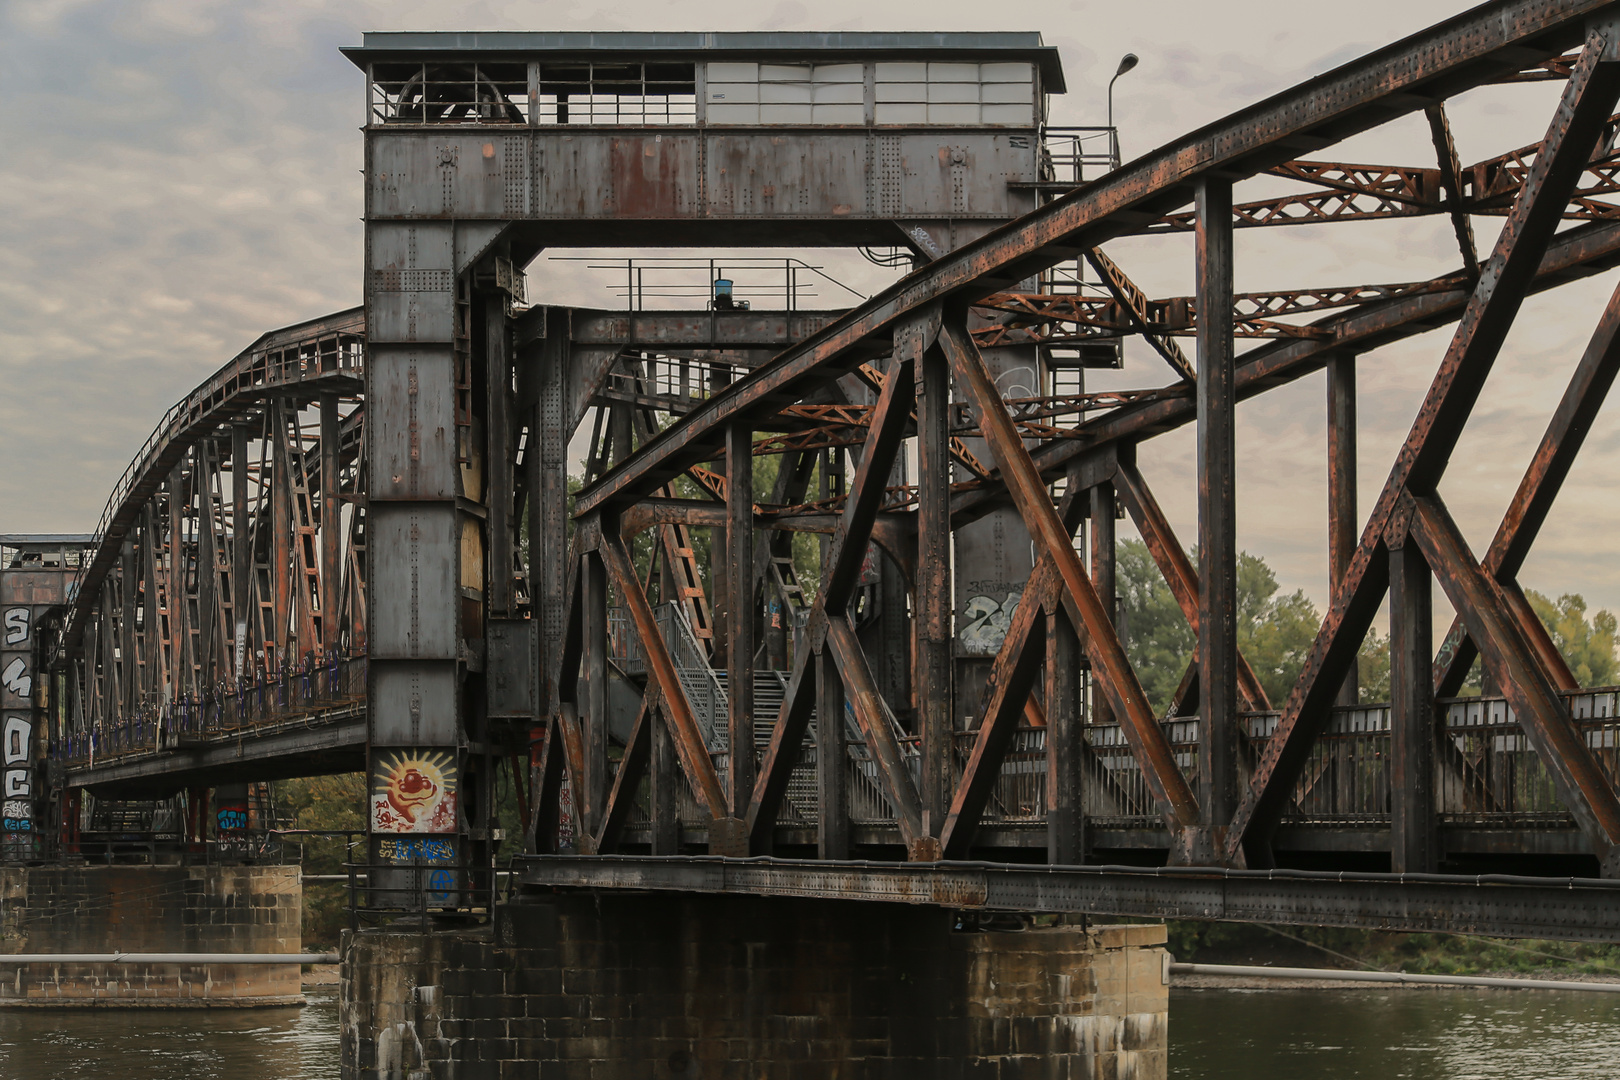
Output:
x=356 y=546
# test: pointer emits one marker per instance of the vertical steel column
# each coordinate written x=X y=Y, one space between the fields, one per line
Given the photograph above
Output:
x=1103 y=576
x=241 y=549
x=155 y=653
x=740 y=654
x=128 y=650
x=281 y=529
x=548 y=504
x=175 y=592
x=720 y=583
x=209 y=603
x=593 y=790
x=931 y=682
x=832 y=747
x=832 y=760
x=1341 y=452
x=498 y=458
x=666 y=781
x=331 y=524
x=1065 y=728
x=1217 y=512
x=1414 y=843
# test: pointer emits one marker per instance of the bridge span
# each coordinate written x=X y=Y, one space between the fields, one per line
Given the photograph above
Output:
x=836 y=589
x=223 y=626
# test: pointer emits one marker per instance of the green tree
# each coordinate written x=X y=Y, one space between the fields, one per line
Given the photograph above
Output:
x=1275 y=632
x=325 y=804
x=1588 y=645
x=1157 y=638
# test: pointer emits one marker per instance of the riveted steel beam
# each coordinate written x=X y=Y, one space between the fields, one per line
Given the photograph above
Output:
x=1583 y=109
x=1582 y=784
x=1474 y=47
x=1566 y=432
x=1117 y=679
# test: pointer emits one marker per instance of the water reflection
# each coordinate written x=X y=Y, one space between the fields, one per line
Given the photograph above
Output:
x=1389 y=1035
x=1214 y=1035
x=177 y=1044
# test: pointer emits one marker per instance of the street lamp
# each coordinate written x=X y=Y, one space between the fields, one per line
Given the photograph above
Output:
x=1126 y=62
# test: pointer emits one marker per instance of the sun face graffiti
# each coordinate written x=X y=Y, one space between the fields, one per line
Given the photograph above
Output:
x=414 y=791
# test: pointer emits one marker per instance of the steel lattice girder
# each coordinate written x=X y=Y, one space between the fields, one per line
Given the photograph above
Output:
x=1069 y=227
x=1455 y=55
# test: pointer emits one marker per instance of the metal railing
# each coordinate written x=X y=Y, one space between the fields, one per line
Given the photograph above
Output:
x=1487 y=772
x=692 y=282
x=314 y=691
x=1075 y=155
x=379 y=890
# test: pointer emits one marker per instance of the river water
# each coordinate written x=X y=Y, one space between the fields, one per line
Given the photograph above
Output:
x=172 y=1044
x=1214 y=1035
x=1393 y=1035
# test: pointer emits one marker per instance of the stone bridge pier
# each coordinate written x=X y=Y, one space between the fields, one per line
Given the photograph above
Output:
x=636 y=985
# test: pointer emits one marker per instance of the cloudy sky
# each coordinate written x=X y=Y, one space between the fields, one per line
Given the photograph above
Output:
x=177 y=176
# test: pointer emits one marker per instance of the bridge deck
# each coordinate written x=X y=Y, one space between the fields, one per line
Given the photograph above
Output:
x=1572 y=909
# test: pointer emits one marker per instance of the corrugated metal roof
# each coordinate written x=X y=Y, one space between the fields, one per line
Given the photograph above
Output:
x=46 y=539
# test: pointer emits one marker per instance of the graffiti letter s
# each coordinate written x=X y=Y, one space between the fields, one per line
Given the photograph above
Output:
x=16 y=625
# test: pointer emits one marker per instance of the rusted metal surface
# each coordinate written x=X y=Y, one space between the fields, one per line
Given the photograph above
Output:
x=1582 y=785
x=896 y=723
x=1119 y=681
x=1452 y=55
x=1555 y=454
x=304 y=361
x=1414 y=838
x=1217 y=518
x=676 y=707
x=1172 y=561
x=1586 y=103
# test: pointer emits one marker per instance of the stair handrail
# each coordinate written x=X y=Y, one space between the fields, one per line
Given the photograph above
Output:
x=691 y=661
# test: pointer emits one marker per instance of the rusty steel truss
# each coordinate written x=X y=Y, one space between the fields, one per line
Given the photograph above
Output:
x=225 y=597
x=1224 y=769
x=650 y=696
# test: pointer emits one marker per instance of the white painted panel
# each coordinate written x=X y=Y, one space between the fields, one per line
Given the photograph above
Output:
x=838 y=114
x=961 y=93
x=999 y=92
x=838 y=93
x=914 y=91
x=733 y=72
x=953 y=114
x=839 y=73
x=785 y=93
x=1006 y=73
x=939 y=72
x=1008 y=114
x=784 y=73
x=901 y=112
x=898 y=71
x=742 y=113
x=734 y=92
x=784 y=114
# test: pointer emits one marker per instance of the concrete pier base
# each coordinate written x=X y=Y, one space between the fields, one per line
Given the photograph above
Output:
x=152 y=909
x=714 y=988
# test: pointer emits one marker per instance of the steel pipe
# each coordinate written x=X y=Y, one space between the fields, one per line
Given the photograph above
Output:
x=169 y=958
x=1402 y=977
